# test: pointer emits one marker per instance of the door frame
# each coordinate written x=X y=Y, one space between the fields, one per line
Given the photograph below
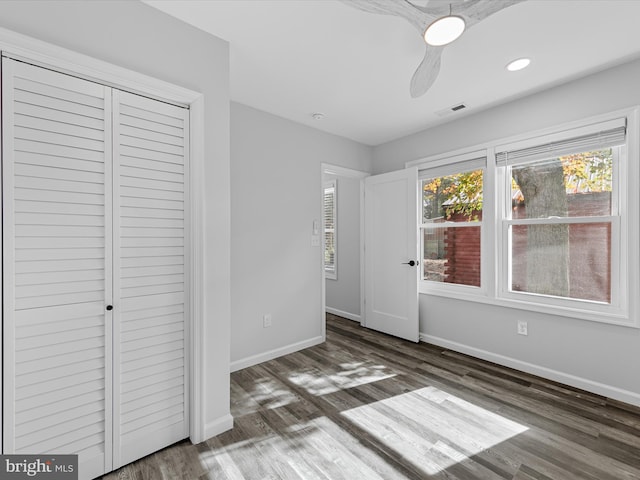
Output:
x=336 y=170
x=24 y=48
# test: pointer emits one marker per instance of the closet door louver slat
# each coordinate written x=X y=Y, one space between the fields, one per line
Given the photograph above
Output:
x=150 y=380
x=57 y=265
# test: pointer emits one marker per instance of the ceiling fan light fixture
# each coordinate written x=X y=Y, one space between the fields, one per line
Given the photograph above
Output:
x=518 y=64
x=444 y=30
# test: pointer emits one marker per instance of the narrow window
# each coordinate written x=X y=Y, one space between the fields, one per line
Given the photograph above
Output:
x=451 y=227
x=330 y=230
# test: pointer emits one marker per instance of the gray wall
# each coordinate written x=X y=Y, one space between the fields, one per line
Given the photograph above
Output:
x=602 y=92
x=343 y=293
x=600 y=357
x=276 y=193
x=138 y=37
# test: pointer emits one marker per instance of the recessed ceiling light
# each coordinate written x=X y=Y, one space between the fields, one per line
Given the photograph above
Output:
x=518 y=64
x=444 y=30
x=317 y=116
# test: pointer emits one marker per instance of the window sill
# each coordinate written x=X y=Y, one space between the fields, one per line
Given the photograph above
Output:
x=473 y=294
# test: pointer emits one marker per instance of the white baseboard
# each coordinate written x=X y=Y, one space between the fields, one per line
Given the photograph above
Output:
x=340 y=313
x=218 y=426
x=271 y=354
x=565 y=378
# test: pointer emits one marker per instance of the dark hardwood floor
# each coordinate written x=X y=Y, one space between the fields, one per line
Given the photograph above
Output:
x=367 y=406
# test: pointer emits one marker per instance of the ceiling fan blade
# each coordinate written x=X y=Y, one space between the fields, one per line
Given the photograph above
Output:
x=401 y=8
x=427 y=72
x=421 y=16
x=440 y=8
x=475 y=11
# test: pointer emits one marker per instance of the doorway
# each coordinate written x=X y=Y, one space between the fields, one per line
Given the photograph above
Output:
x=343 y=242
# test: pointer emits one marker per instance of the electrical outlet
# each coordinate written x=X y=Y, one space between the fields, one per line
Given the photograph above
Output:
x=266 y=320
x=522 y=328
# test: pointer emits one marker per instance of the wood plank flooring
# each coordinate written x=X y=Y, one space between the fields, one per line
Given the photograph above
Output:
x=367 y=406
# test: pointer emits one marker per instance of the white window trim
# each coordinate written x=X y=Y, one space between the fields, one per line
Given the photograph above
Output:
x=450 y=165
x=589 y=310
x=625 y=311
x=331 y=273
x=553 y=145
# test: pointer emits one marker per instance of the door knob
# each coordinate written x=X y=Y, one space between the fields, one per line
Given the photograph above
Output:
x=109 y=307
x=411 y=263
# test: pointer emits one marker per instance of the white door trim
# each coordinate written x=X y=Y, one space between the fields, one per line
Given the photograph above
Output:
x=37 y=52
x=329 y=169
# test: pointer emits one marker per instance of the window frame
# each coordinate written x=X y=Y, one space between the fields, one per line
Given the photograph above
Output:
x=452 y=165
x=581 y=308
x=625 y=219
x=330 y=272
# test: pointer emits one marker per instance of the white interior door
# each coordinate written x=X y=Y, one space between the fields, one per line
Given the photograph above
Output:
x=150 y=305
x=56 y=266
x=391 y=245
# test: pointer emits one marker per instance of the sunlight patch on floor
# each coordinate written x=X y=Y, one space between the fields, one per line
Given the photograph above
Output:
x=314 y=449
x=350 y=375
x=221 y=457
x=433 y=429
x=267 y=393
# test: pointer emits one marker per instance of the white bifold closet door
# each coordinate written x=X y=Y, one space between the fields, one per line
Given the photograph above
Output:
x=93 y=201
x=150 y=328
x=56 y=266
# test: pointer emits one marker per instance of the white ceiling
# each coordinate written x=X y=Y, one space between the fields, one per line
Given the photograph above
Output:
x=296 y=57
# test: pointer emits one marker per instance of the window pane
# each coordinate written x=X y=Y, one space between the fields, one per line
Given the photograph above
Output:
x=452 y=197
x=571 y=186
x=329 y=250
x=563 y=260
x=452 y=255
x=329 y=228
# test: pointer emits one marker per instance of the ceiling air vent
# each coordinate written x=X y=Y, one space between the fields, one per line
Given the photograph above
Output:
x=454 y=108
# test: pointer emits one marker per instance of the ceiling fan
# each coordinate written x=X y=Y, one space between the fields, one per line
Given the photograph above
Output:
x=439 y=22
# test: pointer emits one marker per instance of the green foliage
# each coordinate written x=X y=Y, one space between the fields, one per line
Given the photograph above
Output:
x=588 y=171
x=461 y=194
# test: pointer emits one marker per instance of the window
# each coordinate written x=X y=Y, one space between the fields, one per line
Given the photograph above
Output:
x=330 y=230
x=451 y=230
x=551 y=226
x=562 y=225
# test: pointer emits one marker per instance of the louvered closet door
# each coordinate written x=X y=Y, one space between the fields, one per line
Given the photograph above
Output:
x=150 y=328
x=56 y=266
